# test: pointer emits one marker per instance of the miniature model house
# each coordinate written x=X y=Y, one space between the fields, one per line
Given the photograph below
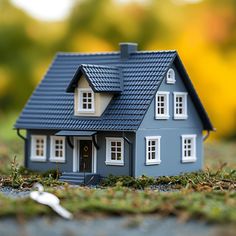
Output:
x=122 y=113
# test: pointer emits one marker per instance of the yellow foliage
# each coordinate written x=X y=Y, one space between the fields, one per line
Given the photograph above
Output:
x=83 y=42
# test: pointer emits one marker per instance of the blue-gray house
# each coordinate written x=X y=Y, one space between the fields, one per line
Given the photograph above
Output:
x=122 y=113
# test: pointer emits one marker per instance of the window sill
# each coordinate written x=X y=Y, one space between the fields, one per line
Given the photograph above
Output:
x=183 y=117
x=192 y=159
x=170 y=81
x=86 y=111
x=153 y=163
x=38 y=159
x=110 y=163
x=162 y=117
x=57 y=160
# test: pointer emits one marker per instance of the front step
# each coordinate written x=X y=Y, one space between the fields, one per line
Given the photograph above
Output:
x=80 y=178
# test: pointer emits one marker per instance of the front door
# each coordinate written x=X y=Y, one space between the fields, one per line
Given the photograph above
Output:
x=85 y=162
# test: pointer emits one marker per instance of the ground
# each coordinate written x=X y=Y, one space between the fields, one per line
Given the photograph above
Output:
x=197 y=198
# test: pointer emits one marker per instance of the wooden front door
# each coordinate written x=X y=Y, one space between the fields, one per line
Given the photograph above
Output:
x=85 y=162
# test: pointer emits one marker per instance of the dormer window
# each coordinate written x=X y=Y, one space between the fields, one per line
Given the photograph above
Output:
x=85 y=100
x=170 y=77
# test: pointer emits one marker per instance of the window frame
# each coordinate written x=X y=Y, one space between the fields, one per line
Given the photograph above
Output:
x=33 y=156
x=193 y=157
x=80 y=108
x=53 y=158
x=109 y=161
x=157 y=159
x=183 y=116
x=165 y=116
x=170 y=80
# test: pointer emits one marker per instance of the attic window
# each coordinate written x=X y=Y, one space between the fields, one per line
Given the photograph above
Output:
x=170 y=77
x=86 y=100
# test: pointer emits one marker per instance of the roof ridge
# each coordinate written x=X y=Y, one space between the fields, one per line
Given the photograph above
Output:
x=87 y=53
x=155 y=51
x=99 y=66
x=113 y=53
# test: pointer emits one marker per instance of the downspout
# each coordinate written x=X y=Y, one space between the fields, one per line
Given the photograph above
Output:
x=131 y=156
x=205 y=137
x=95 y=142
x=69 y=142
x=25 y=147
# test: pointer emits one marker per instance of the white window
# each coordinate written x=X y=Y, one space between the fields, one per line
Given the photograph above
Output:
x=153 y=149
x=170 y=76
x=189 y=148
x=57 y=153
x=86 y=100
x=38 y=147
x=114 y=151
x=162 y=105
x=180 y=105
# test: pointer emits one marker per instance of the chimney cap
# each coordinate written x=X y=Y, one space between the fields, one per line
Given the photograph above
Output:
x=126 y=48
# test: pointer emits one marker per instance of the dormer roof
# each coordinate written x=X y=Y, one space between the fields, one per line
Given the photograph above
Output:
x=101 y=79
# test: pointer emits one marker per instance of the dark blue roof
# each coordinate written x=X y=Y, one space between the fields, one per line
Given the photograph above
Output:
x=100 y=78
x=51 y=107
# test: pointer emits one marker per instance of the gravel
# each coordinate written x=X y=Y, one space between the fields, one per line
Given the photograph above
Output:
x=14 y=193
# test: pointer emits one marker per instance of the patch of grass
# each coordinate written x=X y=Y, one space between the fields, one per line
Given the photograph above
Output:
x=214 y=206
x=221 y=179
x=20 y=177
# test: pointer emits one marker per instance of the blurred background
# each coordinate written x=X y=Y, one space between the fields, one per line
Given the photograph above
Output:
x=203 y=32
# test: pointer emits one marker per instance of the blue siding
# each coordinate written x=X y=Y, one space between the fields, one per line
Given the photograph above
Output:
x=170 y=131
x=47 y=165
x=106 y=170
x=102 y=168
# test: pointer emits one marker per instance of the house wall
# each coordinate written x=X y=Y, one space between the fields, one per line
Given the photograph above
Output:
x=102 y=168
x=170 y=131
x=101 y=100
x=106 y=170
x=47 y=165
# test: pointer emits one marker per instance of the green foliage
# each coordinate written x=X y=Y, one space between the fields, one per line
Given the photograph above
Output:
x=128 y=181
x=53 y=173
x=20 y=177
x=16 y=178
x=221 y=179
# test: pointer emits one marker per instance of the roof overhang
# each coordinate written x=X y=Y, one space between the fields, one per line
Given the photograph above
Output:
x=75 y=133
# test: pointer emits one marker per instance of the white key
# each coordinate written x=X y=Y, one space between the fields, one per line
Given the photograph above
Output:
x=49 y=200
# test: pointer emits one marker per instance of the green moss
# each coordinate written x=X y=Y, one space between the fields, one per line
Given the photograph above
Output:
x=216 y=207
x=202 y=180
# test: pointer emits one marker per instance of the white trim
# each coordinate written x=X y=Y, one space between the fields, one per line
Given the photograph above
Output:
x=193 y=157
x=80 y=98
x=170 y=80
x=33 y=156
x=53 y=158
x=109 y=161
x=183 y=116
x=75 y=158
x=157 y=159
x=166 y=106
x=95 y=157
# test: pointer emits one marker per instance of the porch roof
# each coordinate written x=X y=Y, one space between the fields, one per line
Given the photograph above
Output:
x=75 y=133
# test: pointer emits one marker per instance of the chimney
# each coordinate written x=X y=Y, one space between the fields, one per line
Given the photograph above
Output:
x=126 y=49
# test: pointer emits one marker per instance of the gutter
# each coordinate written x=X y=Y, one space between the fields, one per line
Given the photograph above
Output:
x=206 y=136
